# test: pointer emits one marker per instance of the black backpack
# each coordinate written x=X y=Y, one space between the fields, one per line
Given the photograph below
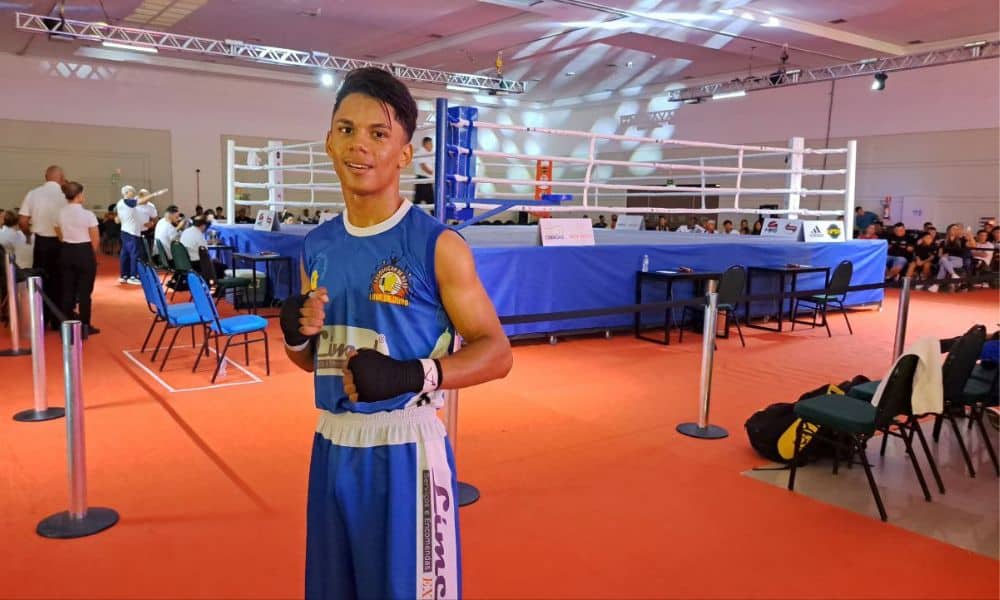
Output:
x=771 y=431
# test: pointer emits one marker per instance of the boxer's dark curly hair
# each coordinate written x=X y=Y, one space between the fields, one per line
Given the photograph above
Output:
x=384 y=87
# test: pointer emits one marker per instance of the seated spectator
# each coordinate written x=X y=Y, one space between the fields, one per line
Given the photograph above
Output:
x=880 y=232
x=219 y=214
x=951 y=255
x=194 y=238
x=601 y=223
x=758 y=226
x=900 y=252
x=863 y=218
x=868 y=233
x=727 y=227
x=614 y=221
x=661 y=224
x=13 y=240
x=168 y=229
x=983 y=253
x=710 y=226
x=242 y=218
x=691 y=227
x=209 y=216
x=744 y=227
x=924 y=253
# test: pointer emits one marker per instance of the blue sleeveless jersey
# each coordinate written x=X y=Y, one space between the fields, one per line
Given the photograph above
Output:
x=383 y=295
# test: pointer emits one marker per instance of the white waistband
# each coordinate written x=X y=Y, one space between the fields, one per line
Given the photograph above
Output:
x=359 y=430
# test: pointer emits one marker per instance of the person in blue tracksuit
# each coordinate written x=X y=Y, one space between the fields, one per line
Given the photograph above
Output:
x=386 y=288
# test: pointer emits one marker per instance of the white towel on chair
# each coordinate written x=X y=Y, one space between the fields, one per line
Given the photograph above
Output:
x=928 y=384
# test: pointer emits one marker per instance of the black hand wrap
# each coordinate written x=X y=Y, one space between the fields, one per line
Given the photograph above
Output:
x=379 y=377
x=290 y=315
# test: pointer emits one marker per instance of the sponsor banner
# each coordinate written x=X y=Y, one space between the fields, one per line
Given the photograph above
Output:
x=824 y=231
x=789 y=229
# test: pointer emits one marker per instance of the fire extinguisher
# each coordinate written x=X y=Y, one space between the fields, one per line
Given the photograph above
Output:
x=886 y=203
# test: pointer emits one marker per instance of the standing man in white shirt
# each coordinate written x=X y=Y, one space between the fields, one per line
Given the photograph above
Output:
x=39 y=216
x=77 y=229
x=148 y=227
x=423 y=168
x=132 y=220
x=168 y=229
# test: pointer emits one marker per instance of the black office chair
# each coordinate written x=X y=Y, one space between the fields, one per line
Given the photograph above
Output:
x=731 y=286
x=836 y=293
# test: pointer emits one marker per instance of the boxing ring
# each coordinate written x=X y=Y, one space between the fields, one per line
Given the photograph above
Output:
x=474 y=184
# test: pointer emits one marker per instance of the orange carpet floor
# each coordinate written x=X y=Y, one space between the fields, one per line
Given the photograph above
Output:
x=588 y=491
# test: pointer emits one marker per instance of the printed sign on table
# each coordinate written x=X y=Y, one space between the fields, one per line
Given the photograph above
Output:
x=824 y=231
x=629 y=223
x=267 y=220
x=566 y=232
x=789 y=229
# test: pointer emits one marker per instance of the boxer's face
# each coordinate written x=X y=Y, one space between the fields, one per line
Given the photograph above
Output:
x=368 y=146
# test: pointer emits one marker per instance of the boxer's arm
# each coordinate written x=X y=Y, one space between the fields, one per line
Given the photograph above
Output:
x=310 y=324
x=485 y=354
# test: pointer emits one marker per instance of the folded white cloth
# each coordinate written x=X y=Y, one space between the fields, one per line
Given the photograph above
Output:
x=928 y=384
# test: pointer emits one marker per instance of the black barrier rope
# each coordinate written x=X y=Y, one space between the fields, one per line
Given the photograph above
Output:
x=53 y=308
x=700 y=301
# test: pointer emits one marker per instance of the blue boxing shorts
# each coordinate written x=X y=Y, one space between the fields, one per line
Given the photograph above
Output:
x=382 y=518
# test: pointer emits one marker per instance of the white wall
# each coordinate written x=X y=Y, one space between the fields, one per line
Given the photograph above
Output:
x=198 y=110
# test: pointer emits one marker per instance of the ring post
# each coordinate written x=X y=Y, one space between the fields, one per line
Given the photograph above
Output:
x=41 y=410
x=849 y=182
x=12 y=313
x=440 y=156
x=79 y=520
x=230 y=181
x=901 y=317
x=467 y=493
x=702 y=429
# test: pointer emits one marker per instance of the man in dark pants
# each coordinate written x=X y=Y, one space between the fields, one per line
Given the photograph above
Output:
x=423 y=167
x=39 y=217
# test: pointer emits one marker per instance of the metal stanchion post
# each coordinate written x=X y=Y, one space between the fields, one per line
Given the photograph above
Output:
x=14 y=317
x=467 y=493
x=901 y=316
x=702 y=429
x=80 y=520
x=42 y=411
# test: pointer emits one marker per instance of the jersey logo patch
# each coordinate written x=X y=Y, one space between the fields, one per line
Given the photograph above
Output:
x=390 y=285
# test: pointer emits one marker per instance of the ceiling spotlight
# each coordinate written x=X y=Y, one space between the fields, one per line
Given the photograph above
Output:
x=326 y=80
x=570 y=73
x=879 y=84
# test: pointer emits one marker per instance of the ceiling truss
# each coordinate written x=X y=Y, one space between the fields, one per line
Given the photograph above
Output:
x=101 y=32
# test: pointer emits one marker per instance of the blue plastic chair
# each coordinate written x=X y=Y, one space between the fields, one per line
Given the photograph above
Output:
x=230 y=327
x=174 y=316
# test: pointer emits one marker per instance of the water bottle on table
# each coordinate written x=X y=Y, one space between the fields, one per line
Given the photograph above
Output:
x=645 y=263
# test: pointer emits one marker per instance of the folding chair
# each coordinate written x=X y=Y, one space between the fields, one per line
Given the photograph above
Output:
x=220 y=284
x=182 y=265
x=836 y=293
x=853 y=422
x=174 y=316
x=230 y=327
x=731 y=286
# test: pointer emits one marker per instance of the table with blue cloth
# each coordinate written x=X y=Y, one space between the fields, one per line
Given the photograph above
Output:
x=521 y=277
